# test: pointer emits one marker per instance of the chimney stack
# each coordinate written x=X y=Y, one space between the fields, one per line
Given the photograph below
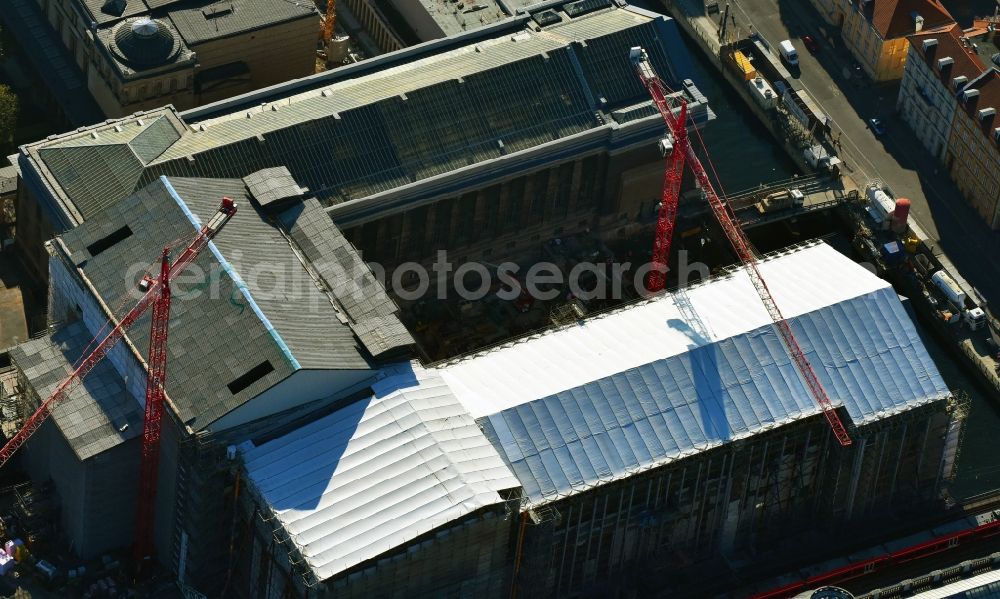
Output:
x=986 y=116
x=970 y=97
x=958 y=82
x=930 y=48
x=944 y=67
x=918 y=21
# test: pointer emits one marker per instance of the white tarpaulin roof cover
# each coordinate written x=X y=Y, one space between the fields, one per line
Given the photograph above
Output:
x=379 y=472
x=639 y=387
x=590 y=403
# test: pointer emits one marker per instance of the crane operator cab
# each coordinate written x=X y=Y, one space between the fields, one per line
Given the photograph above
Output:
x=666 y=145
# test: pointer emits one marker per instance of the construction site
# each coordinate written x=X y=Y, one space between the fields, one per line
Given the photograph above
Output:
x=242 y=391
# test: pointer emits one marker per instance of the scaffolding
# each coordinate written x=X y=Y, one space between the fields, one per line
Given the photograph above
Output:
x=786 y=493
x=766 y=494
x=11 y=410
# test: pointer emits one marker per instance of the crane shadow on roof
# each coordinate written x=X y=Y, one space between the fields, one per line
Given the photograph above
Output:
x=704 y=363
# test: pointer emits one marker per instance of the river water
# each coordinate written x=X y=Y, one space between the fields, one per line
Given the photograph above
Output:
x=978 y=468
x=742 y=149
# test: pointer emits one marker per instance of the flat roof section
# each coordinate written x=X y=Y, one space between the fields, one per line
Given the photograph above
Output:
x=214 y=20
x=453 y=19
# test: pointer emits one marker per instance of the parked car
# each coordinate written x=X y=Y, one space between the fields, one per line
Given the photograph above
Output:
x=787 y=51
x=810 y=43
x=877 y=126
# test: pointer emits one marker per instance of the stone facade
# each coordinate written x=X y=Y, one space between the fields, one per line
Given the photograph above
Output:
x=973 y=154
x=926 y=100
x=204 y=69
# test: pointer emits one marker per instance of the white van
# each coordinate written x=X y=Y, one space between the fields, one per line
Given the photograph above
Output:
x=788 y=53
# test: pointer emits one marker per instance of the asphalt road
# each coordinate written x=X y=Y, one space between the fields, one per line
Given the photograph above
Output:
x=897 y=159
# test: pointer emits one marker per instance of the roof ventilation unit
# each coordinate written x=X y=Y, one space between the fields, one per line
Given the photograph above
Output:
x=546 y=17
x=273 y=188
x=582 y=7
x=114 y=8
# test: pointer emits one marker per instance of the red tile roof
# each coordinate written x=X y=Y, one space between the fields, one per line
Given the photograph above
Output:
x=981 y=76
x=949 y=44
x=989 y=97
x=894 y=18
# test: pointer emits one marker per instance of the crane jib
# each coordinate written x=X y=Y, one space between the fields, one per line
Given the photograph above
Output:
x=682 y=150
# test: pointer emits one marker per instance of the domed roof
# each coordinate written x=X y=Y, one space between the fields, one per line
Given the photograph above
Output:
x=143 y=43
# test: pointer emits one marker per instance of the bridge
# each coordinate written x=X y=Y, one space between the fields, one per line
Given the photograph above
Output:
x=821 y=192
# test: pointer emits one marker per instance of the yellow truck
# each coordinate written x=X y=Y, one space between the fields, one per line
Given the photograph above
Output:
x=781 y=200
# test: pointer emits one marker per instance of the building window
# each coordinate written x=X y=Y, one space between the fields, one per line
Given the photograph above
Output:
x=925 y=95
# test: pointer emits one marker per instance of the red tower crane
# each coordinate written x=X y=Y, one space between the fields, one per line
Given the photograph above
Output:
x=659 y=92
x=156 y=293
x=672 y=175
x=156 y=376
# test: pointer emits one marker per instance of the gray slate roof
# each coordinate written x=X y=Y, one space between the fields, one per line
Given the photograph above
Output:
x=391 y=128
x=94 y=176
x=420 y=116
x=97 y=13
x=99 y=167
x=96 y=411
x=203 y=22
x=272 y=185
x=372 y=314
x=259 y=307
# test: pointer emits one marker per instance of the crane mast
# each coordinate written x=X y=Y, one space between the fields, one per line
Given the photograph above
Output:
x=156 y=377
x=667 y=217
x=737 y=239
x=673 y=172
x=155 y=380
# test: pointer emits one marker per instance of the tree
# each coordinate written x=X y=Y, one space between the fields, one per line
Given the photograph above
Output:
x=8 y=116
